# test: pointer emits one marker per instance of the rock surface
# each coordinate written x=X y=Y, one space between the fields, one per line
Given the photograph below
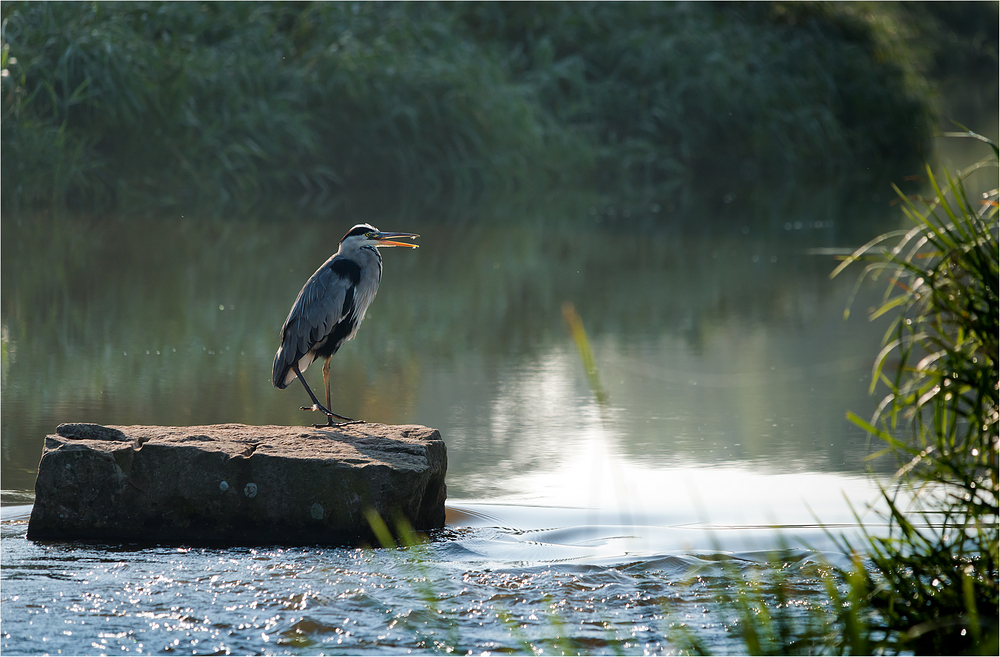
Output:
x=235 y=483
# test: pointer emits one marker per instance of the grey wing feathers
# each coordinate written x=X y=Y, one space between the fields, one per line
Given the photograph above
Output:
x=317 y=309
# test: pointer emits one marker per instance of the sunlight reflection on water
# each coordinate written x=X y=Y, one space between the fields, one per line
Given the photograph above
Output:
x=475 y=588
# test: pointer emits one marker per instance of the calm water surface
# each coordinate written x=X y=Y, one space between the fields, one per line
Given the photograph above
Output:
x=718 y=339
x=720 y=343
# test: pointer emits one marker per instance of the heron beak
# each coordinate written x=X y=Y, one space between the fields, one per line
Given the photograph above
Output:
x=385 y=239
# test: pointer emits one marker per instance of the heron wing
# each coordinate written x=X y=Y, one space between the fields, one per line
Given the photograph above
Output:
x=326 y=300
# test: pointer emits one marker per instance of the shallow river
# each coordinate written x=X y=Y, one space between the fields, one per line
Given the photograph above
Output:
x=725 y=367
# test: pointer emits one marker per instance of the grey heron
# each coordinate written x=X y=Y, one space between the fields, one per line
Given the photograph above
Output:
x=330 y=308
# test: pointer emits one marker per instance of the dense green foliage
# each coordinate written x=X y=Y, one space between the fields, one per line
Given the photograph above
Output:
x=662 y=87
x=218 y=103
x=964 y=36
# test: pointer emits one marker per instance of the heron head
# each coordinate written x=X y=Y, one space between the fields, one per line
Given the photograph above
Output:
x=367 y=235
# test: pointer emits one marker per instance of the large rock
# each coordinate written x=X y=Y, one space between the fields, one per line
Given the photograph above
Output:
x=235 y=483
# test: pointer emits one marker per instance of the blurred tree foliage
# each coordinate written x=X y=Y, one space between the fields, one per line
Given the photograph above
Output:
x=228 y=104
x=959 y=37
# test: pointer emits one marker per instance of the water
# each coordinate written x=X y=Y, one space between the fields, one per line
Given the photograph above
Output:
x=501 y=577
x=720 y=343
x=446 y=597
x=719 y=346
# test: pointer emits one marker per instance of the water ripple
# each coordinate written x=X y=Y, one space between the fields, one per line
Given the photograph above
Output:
x=604 y=588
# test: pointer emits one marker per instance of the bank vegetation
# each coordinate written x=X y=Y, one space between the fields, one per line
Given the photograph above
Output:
x=227 y=105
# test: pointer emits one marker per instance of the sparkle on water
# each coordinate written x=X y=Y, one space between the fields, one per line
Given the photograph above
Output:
x=613 y=561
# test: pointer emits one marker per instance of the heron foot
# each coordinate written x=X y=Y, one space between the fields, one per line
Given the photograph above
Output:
x=331 y=423
x=329 y=417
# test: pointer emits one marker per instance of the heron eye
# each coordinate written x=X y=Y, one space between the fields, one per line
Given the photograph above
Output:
x=370 y=236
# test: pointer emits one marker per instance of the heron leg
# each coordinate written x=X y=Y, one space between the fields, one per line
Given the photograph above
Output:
x=316 y=405
x=326 y=380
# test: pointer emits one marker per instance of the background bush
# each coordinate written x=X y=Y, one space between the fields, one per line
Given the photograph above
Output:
x=231 y=103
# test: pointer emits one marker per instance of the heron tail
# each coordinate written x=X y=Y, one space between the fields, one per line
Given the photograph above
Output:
x=282 y=373
x=282 y=368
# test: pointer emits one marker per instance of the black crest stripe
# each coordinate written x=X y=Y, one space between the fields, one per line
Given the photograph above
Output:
x=360 y=229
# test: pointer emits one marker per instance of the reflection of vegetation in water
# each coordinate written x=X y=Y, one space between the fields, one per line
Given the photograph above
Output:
x=579 y=336
x=86 y=297
x=226 y=104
